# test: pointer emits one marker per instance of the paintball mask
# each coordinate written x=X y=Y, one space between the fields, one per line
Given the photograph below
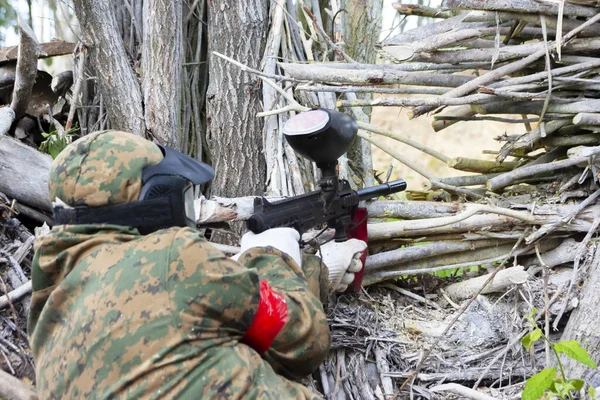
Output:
x=166 y=197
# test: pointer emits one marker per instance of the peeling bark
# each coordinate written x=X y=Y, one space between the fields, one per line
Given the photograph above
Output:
x=110 y=63
x=583 y=325
x=24 y=173
x=237 y=29
x=162 y=59
x=26 y=70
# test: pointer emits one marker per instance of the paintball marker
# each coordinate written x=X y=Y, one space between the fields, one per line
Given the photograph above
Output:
x=322 y=136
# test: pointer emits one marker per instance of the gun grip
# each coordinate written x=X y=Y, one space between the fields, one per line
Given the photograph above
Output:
x=358 y=230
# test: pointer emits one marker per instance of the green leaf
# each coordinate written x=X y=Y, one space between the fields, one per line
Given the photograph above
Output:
x=576 y=383
x=532 y=337
x=592 y=392
x=572 y=349
x=538 y=384
x=531 y=316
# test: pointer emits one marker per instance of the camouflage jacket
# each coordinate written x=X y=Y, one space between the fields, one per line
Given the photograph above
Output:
x=119 y=315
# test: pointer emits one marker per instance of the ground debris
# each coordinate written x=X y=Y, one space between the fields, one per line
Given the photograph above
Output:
x=379 y=336
x=16 y=254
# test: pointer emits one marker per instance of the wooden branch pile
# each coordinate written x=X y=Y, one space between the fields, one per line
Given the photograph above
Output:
x=525 y=220
x=16 y=253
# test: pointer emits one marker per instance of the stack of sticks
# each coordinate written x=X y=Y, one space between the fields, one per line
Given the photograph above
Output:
x=16 y=253
x=525 y=62
x=526 y=220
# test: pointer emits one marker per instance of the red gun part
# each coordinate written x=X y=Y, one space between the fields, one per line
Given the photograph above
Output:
x=358 y=230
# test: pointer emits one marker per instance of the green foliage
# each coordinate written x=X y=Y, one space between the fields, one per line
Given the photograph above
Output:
x=56 y=141
x=538 y=384
x=572 y=349
x=532 y=337
x=8 y=18
x=547 y=381
x=563 y=389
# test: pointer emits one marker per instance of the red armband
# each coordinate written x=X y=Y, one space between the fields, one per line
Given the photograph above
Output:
x=270 y=318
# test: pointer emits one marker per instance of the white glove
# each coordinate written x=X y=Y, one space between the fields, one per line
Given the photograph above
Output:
x=285 y=240
x=342 y=260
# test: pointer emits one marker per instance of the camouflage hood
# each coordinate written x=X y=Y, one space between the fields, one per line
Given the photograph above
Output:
x=102 y=168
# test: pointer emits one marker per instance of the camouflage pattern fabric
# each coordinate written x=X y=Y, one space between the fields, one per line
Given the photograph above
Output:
x=116 y=314
x=102 y=168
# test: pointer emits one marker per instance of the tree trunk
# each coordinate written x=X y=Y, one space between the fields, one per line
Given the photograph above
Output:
x=237 y=29
x=110 y=63
x=583 y=325
x=162 y=59
x=361 y=29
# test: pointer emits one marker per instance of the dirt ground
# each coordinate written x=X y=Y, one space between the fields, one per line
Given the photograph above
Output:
x=464 y=139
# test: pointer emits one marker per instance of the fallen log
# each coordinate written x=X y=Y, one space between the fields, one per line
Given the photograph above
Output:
x=12 y=388
x=220 y=209
x=15 y=295
x=7 y=117
x=508 y=178
x=489 y=222
x=309 y=72
x=521 y=6
x=530 y=18
x=587 y=119
x=505 y=53
x=504 y=278
x=48 y=49
x=418 y=253
x=24 y=173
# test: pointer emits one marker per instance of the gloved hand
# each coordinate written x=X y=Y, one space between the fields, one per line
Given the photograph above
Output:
x=342 y=260
x=285 y=240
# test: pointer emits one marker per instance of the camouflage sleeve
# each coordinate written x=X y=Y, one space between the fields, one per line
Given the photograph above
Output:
x=303 y=342
x=212 y=294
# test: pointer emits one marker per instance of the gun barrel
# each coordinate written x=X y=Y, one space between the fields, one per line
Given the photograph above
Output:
x=382 y=190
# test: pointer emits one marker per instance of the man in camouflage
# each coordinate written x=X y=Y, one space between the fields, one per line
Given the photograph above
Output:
x=117 y=314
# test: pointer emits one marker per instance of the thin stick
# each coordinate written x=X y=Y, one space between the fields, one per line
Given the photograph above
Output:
x=403 y=101
x=412 y=295
x=76 y=98
x=488 y=118
x=546 y=229
x=398 y=156
x=14 y=295
x=334 y=46
x=370 y=89
x=546 y=273
x=549 y=68
x=245 y=68
x=462 y=391
x=506 y=179
x=384 y=132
